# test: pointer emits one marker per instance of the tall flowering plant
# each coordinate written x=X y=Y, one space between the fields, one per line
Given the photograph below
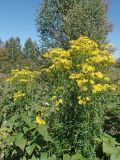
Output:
x=79 y=85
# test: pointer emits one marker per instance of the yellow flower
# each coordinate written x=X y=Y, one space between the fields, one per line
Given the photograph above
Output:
x=87 y=68
x=80 y=83
x=87 y=98
x=23 y=80
x=39 y=120
x=106 y=78
x=17 y=95
x=83 y=100
x=113 y=87
x=99 y=75
x=60 y=101
x=54 y=98
x=76 y=76
x=97 y=88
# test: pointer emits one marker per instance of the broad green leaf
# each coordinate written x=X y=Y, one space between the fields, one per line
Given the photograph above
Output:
x=108 y=147
x=52 y=158
x=42 y=129
x=25 y=129
x=9 y=140
x=78 y=157
x=24 y=158
x=20 y=141
x=33 y=158
x=116 y=154
x=27 y=120
x=66 y=157
x=30 y=149
x=12 y=120
x=43 y=156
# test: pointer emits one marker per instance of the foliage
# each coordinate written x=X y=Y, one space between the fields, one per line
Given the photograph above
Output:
x=12 y=56
x=110 y=147
x=58 y=112
x=21 y=135
x=112 y=118
x=13 y=48
x=58 y=21
x=30 y=49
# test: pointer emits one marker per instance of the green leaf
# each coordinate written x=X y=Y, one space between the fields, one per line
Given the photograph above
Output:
x=78 y=157
x=33 y=158
x=25 y=129
x=30 y=149
x=52 y=158
x=20 y=141
x=9 y=140
x=27 y=120
x=43 y=156
x=24 y=158
x=66 y=157
x=116 y=154
x=108 y=148
x=42 y=129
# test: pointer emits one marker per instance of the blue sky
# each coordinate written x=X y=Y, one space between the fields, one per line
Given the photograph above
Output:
x=17 y=18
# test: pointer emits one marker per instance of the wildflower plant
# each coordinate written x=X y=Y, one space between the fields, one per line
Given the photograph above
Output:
x=79 y=84
x=23 y=132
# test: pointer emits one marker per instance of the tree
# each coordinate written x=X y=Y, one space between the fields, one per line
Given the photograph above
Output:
x=1 y=44
x=13 y=48
x=60 y=21
x=30 y=49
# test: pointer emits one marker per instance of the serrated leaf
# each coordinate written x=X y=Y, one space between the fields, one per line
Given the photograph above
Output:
x=42 y=129
x=20 y=141
x=30 y=149
x=66 y=157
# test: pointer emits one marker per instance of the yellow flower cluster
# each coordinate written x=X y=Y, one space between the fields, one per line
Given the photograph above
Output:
x=84 y=44
x=86 y=64
x=40 y=121
x=60 y=62
x=22 y=76
x=102 y=58
x=100 y=88
x=87 y=68
x=18 y=95
x=76 y=76
x=57 y=52
x=98 y=75
x=56 y=101
x=83 y=101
